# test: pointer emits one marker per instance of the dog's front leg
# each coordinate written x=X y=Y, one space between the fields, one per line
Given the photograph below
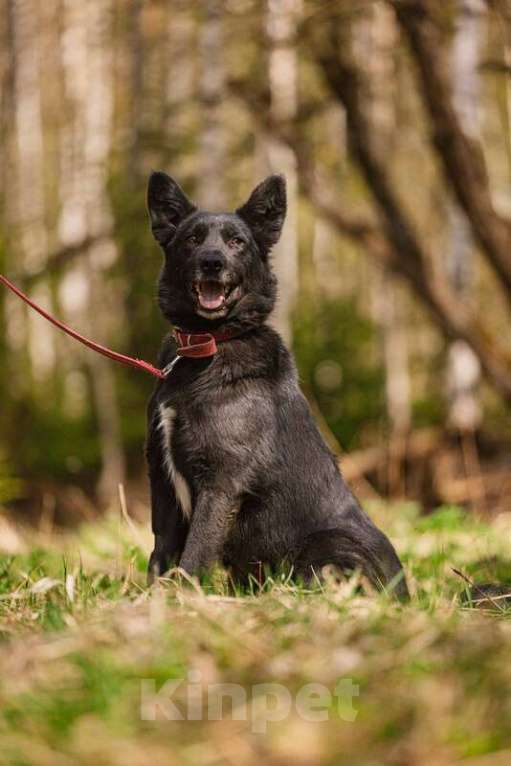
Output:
x=169 y=523
x=211 y=522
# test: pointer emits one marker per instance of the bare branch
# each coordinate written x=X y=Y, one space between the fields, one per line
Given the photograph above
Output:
x=461 y=156
x=398 y=244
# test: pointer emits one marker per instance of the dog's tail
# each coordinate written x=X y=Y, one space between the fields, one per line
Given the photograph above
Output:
x=365 y=549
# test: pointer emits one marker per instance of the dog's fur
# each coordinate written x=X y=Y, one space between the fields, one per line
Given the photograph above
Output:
x=239 y=472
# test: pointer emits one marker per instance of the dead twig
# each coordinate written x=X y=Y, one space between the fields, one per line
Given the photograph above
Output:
x=484 y=596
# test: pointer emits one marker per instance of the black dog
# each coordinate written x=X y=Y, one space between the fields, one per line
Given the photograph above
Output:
x=239 y=472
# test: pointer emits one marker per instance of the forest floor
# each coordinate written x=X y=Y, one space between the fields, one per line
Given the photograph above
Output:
x=95 y=668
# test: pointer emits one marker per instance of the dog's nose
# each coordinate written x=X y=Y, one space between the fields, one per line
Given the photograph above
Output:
x=211 y=264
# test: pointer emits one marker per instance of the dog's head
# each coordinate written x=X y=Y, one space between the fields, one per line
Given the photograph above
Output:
x=216 y=270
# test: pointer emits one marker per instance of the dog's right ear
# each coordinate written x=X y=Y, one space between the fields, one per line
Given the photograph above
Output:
x=167 y=204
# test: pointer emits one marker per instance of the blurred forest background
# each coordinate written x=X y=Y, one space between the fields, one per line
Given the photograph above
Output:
x=391 y=121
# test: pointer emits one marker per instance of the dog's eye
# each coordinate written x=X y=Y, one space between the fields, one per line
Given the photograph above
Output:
x=235 y=242
x=192 y=240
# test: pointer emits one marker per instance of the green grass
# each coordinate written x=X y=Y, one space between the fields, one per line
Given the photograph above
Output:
x=81 y=636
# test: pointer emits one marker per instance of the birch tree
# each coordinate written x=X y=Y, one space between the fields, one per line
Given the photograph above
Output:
x=26 y=206
x=85 y=211
x=381 y=39
x=463 y=371
x=212 y=95
x=282 y=18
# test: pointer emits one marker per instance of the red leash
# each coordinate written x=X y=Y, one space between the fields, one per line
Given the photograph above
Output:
x=189 y=344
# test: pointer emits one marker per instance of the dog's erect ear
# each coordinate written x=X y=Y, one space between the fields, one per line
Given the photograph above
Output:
x=168 y=205
x=265 y=210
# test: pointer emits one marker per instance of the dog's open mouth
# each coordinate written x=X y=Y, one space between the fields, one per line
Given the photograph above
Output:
x=211 y=295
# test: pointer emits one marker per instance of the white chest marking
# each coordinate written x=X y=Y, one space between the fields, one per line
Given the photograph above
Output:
x=166 y=425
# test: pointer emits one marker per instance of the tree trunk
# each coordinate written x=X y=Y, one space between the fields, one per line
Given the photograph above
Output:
x=212 y=156
x=27 y=205
x=381 y=39
x=85 y=211
x=282 y=17
x=463 y=370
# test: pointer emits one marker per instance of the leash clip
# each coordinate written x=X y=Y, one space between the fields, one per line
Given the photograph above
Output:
x=170 y=366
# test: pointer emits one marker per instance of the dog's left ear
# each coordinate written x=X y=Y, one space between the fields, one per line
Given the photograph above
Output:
x=265 y=210
x=168 y=205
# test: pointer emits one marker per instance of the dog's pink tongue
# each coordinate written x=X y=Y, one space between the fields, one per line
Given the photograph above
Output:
x=211 y=295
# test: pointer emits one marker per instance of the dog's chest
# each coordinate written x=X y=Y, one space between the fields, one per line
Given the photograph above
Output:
x=167 y=418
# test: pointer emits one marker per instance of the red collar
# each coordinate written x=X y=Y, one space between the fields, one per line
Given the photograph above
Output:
x=202 y=344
